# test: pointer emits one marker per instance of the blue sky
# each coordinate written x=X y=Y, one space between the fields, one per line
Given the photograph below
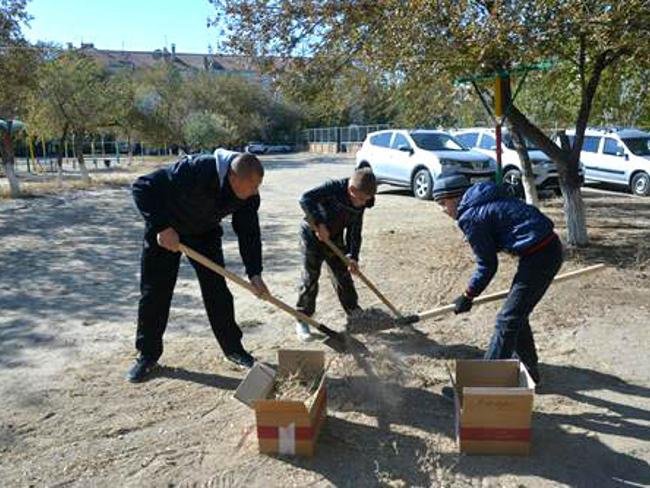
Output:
x=135 y=25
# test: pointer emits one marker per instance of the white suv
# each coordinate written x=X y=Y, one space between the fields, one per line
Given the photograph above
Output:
x=484 y=140
x=619 y=156
x=415 y=158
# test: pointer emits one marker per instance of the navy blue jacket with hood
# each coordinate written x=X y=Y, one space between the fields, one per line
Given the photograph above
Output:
x=193 y=195
x=493 y=221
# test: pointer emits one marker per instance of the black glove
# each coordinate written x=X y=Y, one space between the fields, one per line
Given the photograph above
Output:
x=462 y=304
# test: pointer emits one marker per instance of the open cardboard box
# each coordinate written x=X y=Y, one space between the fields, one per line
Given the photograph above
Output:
x=494 y=403
x=286 y=427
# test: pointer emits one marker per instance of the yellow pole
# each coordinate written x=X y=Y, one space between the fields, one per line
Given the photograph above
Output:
x=498 y=97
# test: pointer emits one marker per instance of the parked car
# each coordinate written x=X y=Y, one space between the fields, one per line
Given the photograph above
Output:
x=484 y=140
x=277 y=148
x=618 y=156
x=415 y=158
x=264 y=148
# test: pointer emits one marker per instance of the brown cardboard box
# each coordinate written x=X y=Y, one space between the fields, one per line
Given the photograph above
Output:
x=286 y=427
x=494 y=403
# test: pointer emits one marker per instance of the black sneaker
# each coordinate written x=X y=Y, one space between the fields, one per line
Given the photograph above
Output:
x=141 y=369
x=241 y=358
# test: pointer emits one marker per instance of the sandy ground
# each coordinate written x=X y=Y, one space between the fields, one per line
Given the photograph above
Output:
x=68 y=295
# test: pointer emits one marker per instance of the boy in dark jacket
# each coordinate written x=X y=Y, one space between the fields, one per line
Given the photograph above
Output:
x=333 y=211
x=185 y=202
x=493 y=221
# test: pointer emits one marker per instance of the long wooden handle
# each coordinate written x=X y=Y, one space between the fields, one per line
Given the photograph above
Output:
x=362 y=276
x=504 y=293
x=208 y=263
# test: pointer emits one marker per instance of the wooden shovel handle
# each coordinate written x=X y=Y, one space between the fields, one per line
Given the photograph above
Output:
x=363 y=277
x=208 y=263
x=504 y=293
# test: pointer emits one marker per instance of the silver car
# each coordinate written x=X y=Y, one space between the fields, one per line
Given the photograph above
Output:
x=415 y=158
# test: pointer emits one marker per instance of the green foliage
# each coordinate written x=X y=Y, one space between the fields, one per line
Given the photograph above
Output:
x=204 y=130
x=72 y=90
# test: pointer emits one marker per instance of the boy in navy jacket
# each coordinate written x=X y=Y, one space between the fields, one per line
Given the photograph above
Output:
x=494 y=221
x=333 y=210
x=185 y=202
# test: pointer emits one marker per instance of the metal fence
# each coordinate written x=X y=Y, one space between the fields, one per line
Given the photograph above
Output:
x=343 y=137
x=42 y=157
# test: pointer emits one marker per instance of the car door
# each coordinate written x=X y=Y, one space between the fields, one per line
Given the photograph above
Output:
x=379 y=157
x=589 y=156
x=401 y=159
x=612 y=161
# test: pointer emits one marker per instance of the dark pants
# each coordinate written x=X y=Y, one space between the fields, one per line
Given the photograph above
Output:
x=513 y=336
x=314 y=253
x=158 y=272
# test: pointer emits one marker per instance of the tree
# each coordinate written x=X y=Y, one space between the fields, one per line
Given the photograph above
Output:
x=461 y=38
x=17 y=63
x=124 y=118
x=72 y=95
x=163 y=103
x=205 y=131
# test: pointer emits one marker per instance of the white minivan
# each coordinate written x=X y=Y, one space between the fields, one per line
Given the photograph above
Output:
x=415 y=158
x=618 y=156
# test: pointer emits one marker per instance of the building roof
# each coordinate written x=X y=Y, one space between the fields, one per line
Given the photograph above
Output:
x=115 y=60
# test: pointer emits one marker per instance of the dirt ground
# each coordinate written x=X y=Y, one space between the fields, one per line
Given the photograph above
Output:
x=68 y=295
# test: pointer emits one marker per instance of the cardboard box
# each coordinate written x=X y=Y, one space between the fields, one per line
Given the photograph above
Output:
x=494 y=403
x=286 y=427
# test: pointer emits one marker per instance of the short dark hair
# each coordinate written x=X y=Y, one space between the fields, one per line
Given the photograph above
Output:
x=363 y=179
x=246 y=165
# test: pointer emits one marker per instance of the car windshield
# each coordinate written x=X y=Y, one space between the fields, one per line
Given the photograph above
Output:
x=507 y=140
x=638 y=145
x=437 y=142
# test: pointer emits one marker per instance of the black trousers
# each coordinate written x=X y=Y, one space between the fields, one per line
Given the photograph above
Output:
x=314 y=253
x=158 y=273
x=512 y=333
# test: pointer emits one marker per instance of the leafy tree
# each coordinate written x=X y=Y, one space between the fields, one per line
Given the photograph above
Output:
x=17 y=64
x=72 y=95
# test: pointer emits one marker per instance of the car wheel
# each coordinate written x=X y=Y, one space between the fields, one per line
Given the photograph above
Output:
x=422 y=185
x=641 y=184
x=512 y=177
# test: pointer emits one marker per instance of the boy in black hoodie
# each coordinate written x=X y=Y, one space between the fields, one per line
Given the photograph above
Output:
x=333 y=211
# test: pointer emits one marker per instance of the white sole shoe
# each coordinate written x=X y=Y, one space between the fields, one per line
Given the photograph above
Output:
x=303 y=332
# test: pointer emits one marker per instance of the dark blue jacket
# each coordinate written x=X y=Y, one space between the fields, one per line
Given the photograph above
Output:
x=193 y=195
x=492 y=221
x=329 y=204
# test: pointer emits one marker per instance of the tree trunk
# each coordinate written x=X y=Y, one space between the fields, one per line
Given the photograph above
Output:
x=8 y=161
x=61 y=154
x=527 y=176
x=574 y=210
x=130 y=150
x=78 y=143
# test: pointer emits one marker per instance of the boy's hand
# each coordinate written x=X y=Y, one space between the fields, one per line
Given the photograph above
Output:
x=260 y=287
x=168 y=239
x=353 y=266
x=462 y=304
x=322 y=232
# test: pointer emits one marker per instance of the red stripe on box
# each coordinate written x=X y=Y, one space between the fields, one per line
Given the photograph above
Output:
x=301 y=433
x=494 y=434
x=271 y=432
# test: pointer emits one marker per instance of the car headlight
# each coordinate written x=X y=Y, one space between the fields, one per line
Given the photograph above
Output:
x=450 y=164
